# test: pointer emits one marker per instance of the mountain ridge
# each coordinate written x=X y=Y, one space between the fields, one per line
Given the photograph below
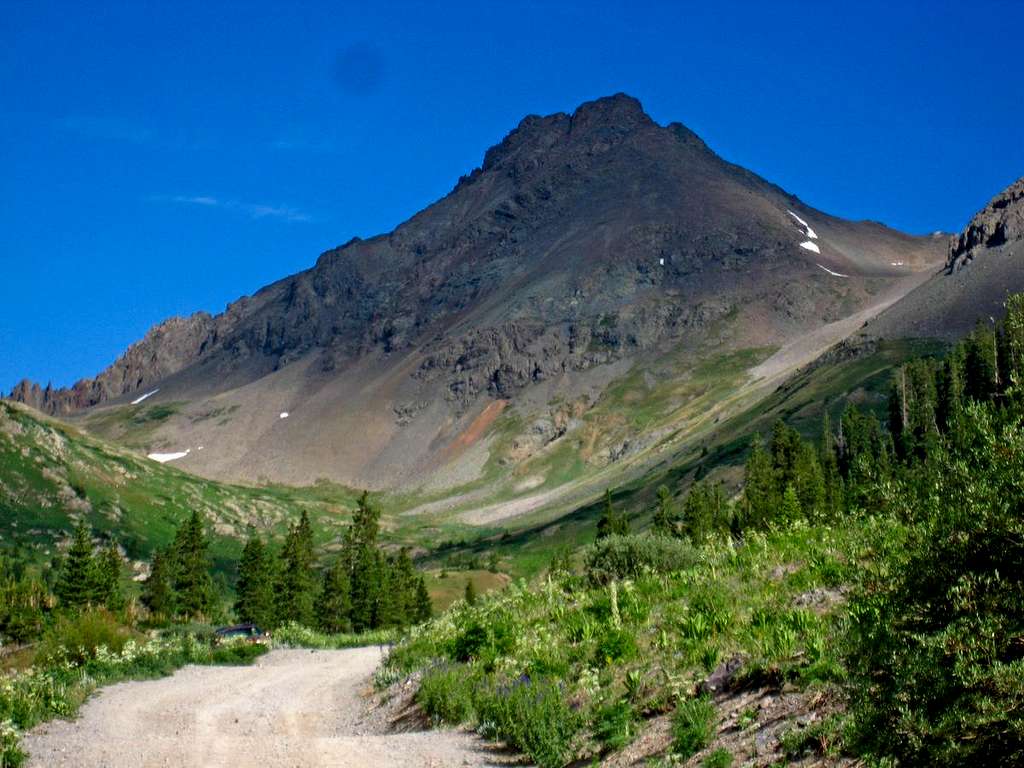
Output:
x=584 y=245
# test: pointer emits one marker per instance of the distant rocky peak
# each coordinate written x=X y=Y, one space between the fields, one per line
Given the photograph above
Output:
x=1000 y=222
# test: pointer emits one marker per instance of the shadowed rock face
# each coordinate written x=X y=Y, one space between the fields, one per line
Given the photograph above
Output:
x=581 y=238
x=1001 y=222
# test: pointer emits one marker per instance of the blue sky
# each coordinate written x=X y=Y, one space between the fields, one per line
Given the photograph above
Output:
x=161 y=158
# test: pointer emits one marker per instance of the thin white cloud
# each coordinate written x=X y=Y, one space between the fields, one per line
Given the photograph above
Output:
x=253 y=210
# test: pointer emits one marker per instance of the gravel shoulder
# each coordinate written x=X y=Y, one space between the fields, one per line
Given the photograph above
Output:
x=294 y=708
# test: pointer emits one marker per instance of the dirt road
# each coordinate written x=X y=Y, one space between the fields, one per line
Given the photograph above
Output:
x=291 y=708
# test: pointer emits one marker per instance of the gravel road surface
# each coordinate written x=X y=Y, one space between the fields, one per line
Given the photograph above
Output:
x=294 y=708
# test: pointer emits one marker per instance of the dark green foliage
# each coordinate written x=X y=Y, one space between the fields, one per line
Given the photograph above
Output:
x=692 y=726
x=237 y=654
x=158 y=590
x=720 y=758
x=296 y=585
x=935 y=653
x=706 y=511
x=470 y=593
x=76 y=586
x=936 y=629
x=195 y=597
x=614 y=646
x=255 y=596
x=423 y=608
x=615 y=725
x=24 y=603
x=334 y=604
x=627 y=557
x=444 y=695
x=532 y=715
x=108 y=568
x=612 y=522
x=664 y=521
x=761 y=496
x=77 y=637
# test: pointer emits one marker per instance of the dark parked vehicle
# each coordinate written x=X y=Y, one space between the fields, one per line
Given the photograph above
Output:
x=241 y=632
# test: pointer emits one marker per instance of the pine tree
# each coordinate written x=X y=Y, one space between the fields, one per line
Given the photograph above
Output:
x=761 y=496
x=611 y=523
x=790 y=510
x=158 y=589
x=364 y=563
x=108 y=567
x=705 y=511
x=470 y=593
x=76 y=585
x=296 y=587
x=255 y=602
x=193 y=586
x=664 y=522
x=334 y=604
x=424 y=605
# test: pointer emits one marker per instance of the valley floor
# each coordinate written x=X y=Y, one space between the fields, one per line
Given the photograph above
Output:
x=291 y=708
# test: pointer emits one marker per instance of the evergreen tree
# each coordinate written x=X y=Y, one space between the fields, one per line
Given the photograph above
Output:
x=296 y=587
x=470 y=593
x=76 y=585
x=705 y=511
x=981 y=364
x=611 y=523
x=424 y=605
x=664 y=522
x=790 y=510
x=195 y=597
x=760 y=493
x=334 y=604
x=364 y=563
x=158 y=589
x=255 y=602
x=108 y=567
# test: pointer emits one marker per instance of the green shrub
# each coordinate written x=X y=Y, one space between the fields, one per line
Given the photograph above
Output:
x=76 y=638
x=614 y=646
x=692 y=726
x=720 y=758
x=293 y=635
x=484 y=640
x=446 y=694
x=531 y=715
x=237 y=653
x=629 y=557
x=615 y=725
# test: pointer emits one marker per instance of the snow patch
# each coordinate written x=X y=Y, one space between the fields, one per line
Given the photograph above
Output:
x=165 y=457
x=834 y=274
x=810 y=232
x=896 y=263
x=284 y=415
x=138 y=400
x=810 y=246
x=661 y=262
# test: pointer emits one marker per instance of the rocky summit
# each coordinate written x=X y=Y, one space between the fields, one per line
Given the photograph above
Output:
x=587 y=248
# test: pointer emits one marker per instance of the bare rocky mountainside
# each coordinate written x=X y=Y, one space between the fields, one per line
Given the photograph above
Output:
x=554 y=306
x=984 y=265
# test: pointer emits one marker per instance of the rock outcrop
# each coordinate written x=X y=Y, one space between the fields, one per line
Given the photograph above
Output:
x=1001 y=221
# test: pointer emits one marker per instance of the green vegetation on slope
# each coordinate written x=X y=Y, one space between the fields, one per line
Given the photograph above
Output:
x=886 y=626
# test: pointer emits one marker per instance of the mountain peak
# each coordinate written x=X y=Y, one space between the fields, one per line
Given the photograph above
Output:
x=619 y=109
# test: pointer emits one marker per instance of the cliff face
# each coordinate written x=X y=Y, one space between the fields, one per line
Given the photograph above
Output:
x=1000 y=222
